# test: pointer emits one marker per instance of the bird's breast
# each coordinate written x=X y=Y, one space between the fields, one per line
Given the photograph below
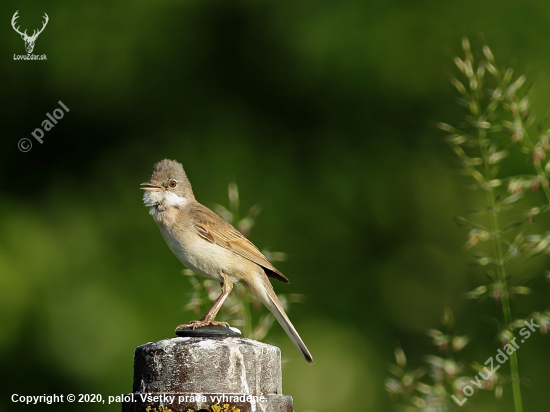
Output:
x=202 y=257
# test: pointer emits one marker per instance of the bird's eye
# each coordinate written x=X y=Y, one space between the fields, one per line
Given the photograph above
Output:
x=173 y=183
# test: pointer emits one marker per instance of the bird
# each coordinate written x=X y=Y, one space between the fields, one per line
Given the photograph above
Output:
x=210 y=246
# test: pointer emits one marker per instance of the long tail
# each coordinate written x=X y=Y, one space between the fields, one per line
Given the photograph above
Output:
x=270 y=299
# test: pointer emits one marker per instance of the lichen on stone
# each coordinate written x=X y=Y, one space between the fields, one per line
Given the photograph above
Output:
x=225 y=408
x=161 y=409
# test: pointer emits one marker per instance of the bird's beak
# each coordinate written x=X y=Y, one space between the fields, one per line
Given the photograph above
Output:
x=149 y=186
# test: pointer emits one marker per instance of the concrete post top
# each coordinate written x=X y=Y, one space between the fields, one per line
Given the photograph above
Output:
x=207 y=343
x=199 y=365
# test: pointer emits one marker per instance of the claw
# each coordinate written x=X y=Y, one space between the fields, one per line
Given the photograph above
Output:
x=194 y=324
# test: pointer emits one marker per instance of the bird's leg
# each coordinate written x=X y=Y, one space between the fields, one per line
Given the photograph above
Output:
x=208 y=318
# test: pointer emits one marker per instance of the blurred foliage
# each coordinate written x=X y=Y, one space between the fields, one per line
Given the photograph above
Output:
x=323 y=111
x=499 y=122
x=445 y=373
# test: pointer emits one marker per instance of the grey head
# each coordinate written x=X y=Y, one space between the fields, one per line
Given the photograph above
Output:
x=167 y=186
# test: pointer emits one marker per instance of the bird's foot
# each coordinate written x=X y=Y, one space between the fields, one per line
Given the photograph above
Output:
x=194 y=324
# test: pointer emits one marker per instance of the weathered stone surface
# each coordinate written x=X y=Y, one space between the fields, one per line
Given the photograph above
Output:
x=207 y=365
x=196 y=371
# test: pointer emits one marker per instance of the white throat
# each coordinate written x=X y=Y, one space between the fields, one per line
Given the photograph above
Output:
x=172 y=199
x=163 y=199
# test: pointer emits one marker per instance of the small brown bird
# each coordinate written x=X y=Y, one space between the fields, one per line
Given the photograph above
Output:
x=211 y=247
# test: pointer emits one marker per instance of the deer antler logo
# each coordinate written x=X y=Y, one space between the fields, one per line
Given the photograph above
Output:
x=29 y=40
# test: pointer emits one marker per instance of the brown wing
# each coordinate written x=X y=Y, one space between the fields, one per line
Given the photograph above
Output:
x=215 y=229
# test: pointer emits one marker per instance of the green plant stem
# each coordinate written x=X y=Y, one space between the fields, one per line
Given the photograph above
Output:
x=247 y=317
x=538 y=167
x=501 y=270
x=513 y=358
x=505 y=301
x=527 y=141
x=544 y=183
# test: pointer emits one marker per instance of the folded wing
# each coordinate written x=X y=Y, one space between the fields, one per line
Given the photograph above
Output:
x=215 y=229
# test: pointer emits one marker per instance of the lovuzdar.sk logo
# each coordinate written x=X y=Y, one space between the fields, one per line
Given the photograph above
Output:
x=29 y=40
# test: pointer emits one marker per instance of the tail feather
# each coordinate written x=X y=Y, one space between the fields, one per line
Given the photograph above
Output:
x=274 y=305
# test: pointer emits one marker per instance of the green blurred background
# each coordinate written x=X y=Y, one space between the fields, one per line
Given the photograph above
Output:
x=324 y=112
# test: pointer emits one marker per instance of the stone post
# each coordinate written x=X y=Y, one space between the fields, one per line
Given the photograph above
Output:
x=229 y=374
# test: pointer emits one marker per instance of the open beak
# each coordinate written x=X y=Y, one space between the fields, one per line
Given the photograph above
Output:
x=150 y=186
